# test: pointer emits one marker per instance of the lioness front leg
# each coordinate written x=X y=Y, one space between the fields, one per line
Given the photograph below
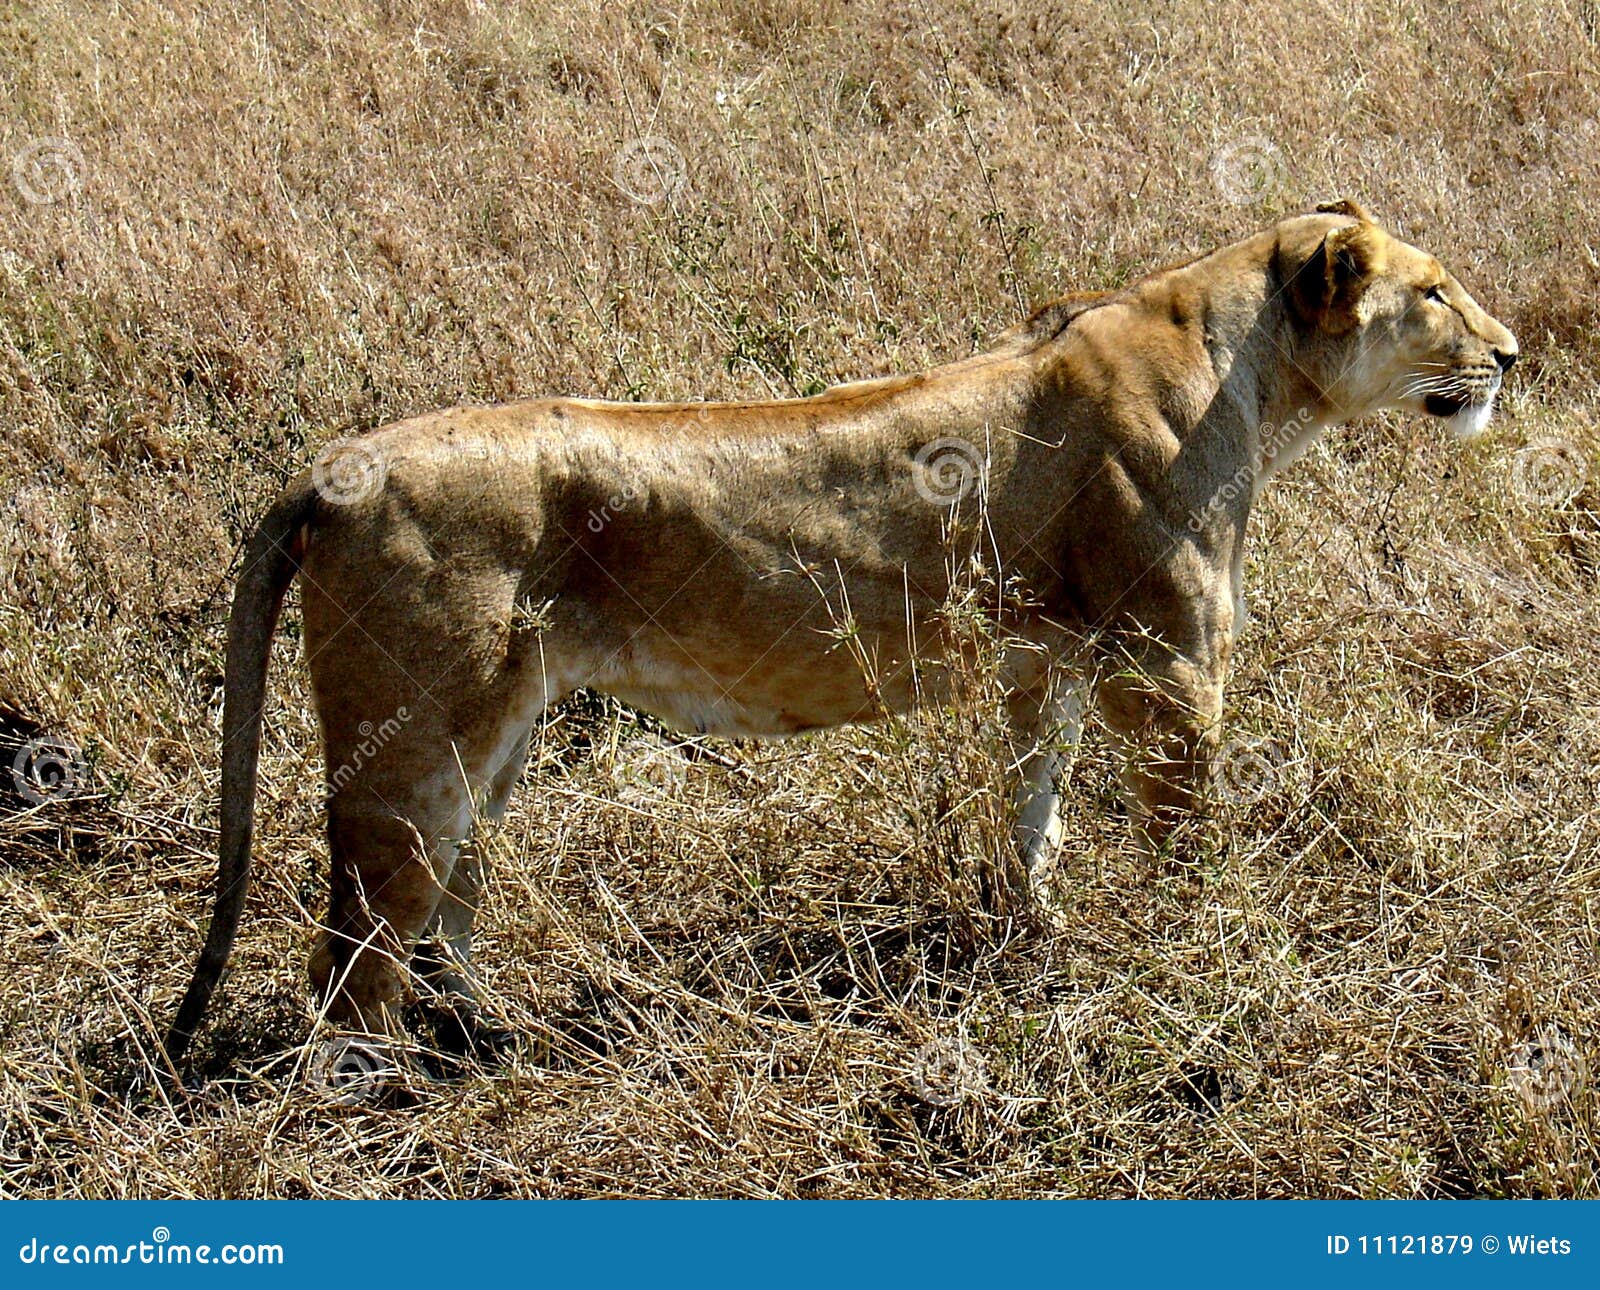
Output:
x=1165 y=712
x=1046 y=723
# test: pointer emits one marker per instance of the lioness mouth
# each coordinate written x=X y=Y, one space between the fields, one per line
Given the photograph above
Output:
x=1444 y=405
x=1466 y=418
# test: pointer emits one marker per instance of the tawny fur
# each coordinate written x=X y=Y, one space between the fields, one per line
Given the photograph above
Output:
x=706 y=562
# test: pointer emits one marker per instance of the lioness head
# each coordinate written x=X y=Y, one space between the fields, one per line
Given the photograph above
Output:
x=1381 y=324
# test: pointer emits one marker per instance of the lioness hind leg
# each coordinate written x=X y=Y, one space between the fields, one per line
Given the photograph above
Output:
x=445 y=956
x=393 y=855
x=443 y=959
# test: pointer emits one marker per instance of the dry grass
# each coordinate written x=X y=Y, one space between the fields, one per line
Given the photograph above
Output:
x=756 y=978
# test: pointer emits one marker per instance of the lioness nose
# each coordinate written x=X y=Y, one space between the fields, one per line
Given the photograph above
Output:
x=1505 y=357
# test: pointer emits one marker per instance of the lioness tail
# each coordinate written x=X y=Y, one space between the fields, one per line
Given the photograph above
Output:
x=271 y=560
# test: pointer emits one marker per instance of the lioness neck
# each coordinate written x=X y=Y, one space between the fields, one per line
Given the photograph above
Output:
x=1226 y=382
x=1250 y=341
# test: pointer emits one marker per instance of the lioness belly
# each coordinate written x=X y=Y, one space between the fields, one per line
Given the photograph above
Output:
x=771 y=691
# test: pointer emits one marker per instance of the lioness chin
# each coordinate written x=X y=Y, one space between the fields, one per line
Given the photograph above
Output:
x=697 y=560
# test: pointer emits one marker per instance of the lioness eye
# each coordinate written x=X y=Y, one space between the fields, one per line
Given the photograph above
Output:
x=1435 y=292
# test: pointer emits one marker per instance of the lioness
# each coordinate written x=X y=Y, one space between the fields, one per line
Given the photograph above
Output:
x=710 y=562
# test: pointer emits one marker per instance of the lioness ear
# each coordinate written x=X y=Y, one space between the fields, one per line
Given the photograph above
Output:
x=1345 y=206
x=1329 y=284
